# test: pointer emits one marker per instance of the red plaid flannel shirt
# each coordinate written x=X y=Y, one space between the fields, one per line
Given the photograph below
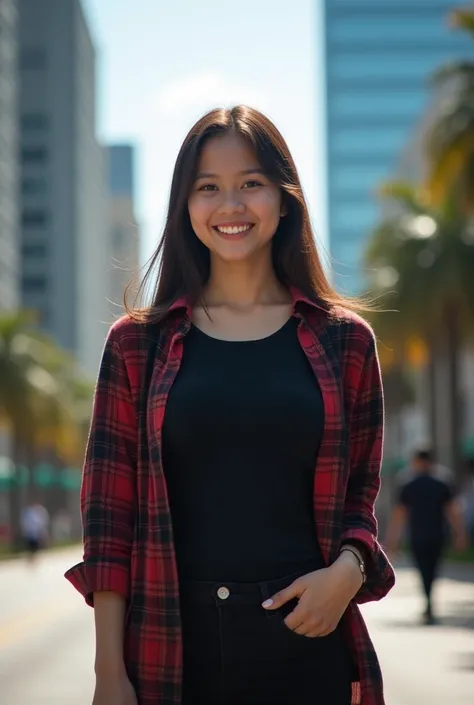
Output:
x=128 y=538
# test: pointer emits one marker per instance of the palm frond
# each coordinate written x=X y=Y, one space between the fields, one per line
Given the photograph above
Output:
x=429 y=257
x=462 y=19
x=461 y=72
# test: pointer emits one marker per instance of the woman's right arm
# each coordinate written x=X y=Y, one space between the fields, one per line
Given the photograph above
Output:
x=112 y=683
x=109 y=617
x=108 y=507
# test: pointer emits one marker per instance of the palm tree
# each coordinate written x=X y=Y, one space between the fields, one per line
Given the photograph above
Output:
x=33 y=402
x=450 y=137
x=422 y=261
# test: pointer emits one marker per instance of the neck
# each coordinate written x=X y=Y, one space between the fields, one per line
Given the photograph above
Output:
x=244 y=284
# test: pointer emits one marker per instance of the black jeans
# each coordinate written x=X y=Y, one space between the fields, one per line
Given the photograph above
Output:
x=427 y=556
x=237 y=653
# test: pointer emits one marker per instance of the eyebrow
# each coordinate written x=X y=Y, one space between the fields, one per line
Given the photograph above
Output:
x=208 y=175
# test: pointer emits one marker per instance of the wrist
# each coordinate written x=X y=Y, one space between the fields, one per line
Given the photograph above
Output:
x=110 y=670
x=347 y=567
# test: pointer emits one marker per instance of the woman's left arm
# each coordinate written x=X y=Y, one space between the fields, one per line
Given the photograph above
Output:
x=366 y=445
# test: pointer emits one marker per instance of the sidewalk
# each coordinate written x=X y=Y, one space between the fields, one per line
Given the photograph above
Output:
x=451 y=570
x=426 y=664
x=6 y=556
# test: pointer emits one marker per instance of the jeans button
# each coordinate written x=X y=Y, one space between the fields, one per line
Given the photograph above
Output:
x=223 y=593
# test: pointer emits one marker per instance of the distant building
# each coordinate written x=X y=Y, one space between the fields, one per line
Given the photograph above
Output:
x=378 y=60
x=63 y=182
x=124 y=233
x=9 y=233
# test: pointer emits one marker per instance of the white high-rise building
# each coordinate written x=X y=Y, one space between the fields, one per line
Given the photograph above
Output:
x=63 y=208
x=9 y=234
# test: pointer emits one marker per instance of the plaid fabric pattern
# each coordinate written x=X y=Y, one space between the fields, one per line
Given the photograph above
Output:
x=128 y=537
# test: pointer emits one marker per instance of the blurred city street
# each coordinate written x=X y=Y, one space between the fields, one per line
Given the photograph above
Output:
x=376 y=103
x=47 y=643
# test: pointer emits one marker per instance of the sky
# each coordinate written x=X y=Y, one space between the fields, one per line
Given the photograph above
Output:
x=162 y=64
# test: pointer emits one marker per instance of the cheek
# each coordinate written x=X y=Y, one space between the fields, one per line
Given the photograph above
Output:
x=267 y=207
x=199 y=212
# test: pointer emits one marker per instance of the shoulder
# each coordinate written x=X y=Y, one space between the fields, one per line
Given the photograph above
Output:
x=352 y=336
x=441 y=485
x=351 y=325
x=129 y=334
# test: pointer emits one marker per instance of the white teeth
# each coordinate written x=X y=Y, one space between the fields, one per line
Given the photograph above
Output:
x=234 y=230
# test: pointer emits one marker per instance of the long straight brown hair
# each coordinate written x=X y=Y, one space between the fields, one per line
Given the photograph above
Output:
x=182 y=262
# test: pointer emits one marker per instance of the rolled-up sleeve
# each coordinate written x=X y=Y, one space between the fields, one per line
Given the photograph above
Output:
x=108 y=491
x=366 y=447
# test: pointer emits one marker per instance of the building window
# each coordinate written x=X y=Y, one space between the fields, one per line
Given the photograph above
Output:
x=34 y=284
x=34 y=155
x=33 y=58
x=32 y=187
x=34 y=249
x=34 y=217
x=34 y=121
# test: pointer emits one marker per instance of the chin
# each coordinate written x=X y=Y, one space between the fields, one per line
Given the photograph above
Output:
x=238 y=251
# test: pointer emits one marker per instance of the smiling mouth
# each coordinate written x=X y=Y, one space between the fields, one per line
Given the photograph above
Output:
x=233 y=230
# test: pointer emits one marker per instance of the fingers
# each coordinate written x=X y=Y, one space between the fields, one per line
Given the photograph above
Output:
x=305 y=624
x=298 y=621
x=282 y=597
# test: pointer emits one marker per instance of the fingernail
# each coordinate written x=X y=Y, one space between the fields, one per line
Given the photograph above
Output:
x=267 y=603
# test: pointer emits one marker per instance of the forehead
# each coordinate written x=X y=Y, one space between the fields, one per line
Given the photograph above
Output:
x=227 y=153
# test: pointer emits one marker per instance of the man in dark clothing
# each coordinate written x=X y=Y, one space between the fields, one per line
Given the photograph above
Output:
x=428 y=505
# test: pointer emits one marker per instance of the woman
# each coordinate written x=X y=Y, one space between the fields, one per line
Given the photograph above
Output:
x=233 y=460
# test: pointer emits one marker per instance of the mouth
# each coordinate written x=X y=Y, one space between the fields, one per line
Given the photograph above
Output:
x=233 y=231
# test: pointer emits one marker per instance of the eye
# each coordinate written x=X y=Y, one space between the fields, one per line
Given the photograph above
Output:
x=208 y=187
x=252 y=183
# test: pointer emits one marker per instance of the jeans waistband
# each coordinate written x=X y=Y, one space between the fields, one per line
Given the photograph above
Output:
x=235 y=593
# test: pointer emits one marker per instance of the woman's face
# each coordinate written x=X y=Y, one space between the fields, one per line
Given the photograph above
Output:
x=234 y=208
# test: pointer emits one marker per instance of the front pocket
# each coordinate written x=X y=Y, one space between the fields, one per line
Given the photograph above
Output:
x=297 y=643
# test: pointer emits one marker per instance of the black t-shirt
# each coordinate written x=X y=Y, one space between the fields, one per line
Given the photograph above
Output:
x=425 y=498
x=242 y=429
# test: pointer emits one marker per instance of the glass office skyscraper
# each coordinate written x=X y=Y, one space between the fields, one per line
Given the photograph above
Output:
x=379 y=55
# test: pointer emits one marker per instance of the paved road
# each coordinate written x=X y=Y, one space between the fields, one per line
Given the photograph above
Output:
x=46 y=639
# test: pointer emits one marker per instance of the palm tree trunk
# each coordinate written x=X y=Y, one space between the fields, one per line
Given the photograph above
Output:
x=432 y=415
x=455 y=416
x=432 y=406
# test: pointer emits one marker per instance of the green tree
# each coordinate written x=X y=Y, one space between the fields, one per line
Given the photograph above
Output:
x=422 y=263
x=39 y=394
x=449 y=143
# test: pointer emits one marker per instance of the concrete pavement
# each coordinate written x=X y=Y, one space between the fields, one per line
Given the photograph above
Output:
x=426 y=664
x=47 y=641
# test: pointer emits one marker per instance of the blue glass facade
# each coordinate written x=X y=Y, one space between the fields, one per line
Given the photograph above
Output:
x=120 y=170
x=379 y=55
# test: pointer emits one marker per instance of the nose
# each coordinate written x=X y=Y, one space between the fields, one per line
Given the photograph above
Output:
x=231 y=202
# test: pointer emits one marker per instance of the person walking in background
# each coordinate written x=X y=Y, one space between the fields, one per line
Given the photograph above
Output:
x=35 y=528
x=234 y=455
x=427 y=506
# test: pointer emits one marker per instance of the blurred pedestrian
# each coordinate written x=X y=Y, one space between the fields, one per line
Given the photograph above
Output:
x=35 y=528
x=234 y=455
x=427 y=507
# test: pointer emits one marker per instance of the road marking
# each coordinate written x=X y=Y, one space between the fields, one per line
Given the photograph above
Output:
x=22 y=625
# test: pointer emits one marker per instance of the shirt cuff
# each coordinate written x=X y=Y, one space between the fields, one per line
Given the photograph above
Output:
x=99 y=577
